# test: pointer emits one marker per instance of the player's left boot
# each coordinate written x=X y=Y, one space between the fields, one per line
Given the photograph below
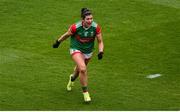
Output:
x=70 y=83
x=87 y=97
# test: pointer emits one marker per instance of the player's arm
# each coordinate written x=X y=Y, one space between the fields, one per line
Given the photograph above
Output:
x=100 y=42
x=62 y=38
x=100 y=45
x=65 y=36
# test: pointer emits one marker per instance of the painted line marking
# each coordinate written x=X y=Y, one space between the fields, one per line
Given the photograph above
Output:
x=153 y=76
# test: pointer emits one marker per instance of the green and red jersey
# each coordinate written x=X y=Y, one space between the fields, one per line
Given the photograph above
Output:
x=83 y=38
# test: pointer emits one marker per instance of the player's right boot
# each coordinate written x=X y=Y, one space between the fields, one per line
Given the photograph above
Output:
x=87 y=97
x=70 y=83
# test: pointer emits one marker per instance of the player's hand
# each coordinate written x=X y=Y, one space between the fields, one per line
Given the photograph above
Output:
x=56 y=44
x=100 y=55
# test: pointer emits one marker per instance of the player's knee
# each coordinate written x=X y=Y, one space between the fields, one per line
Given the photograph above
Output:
x=82 y=69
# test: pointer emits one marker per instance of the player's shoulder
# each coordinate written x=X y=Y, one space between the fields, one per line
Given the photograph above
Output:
x=75 y=26
x=78 y=24
x=94 y=24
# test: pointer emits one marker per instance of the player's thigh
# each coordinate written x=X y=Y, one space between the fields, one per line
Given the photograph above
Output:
x=79 y=60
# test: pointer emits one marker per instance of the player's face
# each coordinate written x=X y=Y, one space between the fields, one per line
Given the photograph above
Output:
x=88 y=20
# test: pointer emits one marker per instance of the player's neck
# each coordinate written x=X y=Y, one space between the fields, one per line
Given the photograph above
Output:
x=86 y=26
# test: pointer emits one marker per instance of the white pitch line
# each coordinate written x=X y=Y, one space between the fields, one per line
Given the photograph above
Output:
x=153 y=76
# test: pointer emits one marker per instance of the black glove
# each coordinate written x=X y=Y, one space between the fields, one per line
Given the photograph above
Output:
x=56 y=44
x=100 y=55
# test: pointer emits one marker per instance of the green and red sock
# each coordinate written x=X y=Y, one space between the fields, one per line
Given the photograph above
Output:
x=85 y=89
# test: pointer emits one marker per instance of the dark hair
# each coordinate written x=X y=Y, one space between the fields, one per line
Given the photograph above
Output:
x=85 y=12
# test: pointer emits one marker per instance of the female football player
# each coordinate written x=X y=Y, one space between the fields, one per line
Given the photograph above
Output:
x=83 y=34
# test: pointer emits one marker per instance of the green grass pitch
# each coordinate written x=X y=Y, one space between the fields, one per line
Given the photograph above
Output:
x=141 y=37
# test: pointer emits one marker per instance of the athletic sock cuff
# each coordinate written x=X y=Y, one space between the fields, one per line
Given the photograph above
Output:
x=84 y=88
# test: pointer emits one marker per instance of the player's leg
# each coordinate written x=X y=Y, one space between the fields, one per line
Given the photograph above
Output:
x=86 y=95
x=80 y=62
x=75 y=74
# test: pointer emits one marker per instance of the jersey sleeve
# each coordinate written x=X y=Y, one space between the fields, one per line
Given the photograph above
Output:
x=98 y=29
x=73 y=28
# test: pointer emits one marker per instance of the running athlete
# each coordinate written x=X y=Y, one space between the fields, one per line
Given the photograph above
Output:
x=83 y=34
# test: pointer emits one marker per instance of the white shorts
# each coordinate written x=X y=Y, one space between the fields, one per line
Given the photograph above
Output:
x=86 y=56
